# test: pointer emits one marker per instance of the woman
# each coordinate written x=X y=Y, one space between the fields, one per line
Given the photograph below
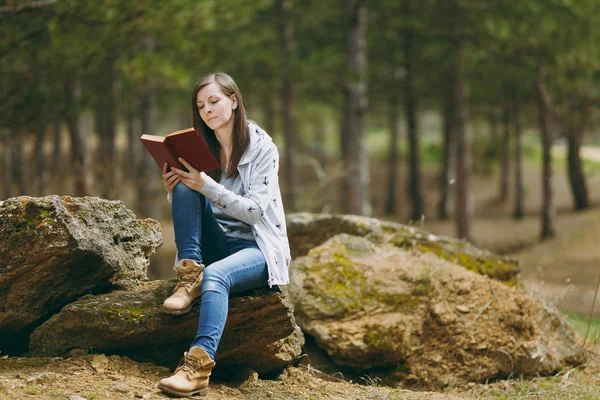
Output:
x=230 y=220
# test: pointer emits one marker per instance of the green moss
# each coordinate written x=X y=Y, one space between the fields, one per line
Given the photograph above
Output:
x=343 y=289
x=383 y=340
x=458 y=253
x=342 y=259
x=127 y=314
x=401 y=301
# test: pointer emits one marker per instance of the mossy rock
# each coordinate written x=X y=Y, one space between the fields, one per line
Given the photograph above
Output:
x=308 y=230
x=411 y=315
x=133 y=323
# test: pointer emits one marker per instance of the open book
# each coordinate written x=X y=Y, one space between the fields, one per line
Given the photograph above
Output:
x=186 y=144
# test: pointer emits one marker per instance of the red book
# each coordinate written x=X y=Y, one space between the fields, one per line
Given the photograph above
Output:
x=186 y=144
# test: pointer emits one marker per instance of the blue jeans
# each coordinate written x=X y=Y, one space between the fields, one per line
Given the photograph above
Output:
x=231 y=265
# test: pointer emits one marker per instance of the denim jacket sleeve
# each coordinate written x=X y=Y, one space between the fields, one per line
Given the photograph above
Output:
x=250 y=206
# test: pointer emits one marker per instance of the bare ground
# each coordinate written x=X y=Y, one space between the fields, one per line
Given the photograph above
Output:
x=113 y=377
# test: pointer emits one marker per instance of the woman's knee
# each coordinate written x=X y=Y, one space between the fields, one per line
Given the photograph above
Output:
x=181 y=190
x=214 y=280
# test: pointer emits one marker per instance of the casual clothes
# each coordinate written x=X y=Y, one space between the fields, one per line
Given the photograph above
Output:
x=232 y=265
x=260 y=205
x=231 y=226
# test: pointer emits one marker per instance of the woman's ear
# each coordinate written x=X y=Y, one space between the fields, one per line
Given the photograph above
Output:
x=234 y=101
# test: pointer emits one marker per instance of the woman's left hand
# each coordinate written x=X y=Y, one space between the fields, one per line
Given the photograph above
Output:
x=193 y=179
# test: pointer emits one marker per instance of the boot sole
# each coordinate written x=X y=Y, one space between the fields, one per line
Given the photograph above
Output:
x=185 y=310
x=199 y=392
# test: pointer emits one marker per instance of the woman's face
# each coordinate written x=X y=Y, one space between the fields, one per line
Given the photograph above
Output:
x=216 y=108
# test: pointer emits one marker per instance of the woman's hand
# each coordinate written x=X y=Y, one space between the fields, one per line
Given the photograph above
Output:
x=169 y=179
x=193 y=179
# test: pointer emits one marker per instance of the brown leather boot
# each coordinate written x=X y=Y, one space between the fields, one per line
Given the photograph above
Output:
x=187 y=291
x=191 y=377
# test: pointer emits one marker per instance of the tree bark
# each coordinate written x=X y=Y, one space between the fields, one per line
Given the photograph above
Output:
x=448 y=155
x=519 y=189
x=548 y=212
x=20 y=164
x=288 y=98
x=356 y=178
x=148 y=190
x=575 y=172
x=79 y=154
x=505 y=156
x=414 y=183
x=133 y=154
x=7 y=170
x=269 y=114
x=56 y=167
x=41 y=183
x=463 y=156
x=390 y=205
x=105 y=115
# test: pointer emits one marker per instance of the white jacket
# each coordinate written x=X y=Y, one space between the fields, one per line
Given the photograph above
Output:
x=260 y=206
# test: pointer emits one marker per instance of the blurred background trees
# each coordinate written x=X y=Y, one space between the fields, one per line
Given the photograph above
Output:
x=358 y=95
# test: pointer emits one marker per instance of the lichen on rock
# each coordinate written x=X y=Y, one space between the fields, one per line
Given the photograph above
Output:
x=54 y=249
x=307 y=230
x=418 y=318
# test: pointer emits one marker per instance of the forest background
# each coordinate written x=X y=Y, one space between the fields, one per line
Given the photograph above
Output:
x=471 y=118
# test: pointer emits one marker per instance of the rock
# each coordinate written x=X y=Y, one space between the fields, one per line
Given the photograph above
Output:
x=54 y=249
x=73 y=397
x=120 y=387
x=42 y=377
x=307 y=230
x=99 y=363
x=463 y=309
x=260 y=332
x=375 y=306
x=76 y=353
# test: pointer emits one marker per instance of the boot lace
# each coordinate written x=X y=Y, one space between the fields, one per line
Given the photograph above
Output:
x=189 y=364
x=188 y=281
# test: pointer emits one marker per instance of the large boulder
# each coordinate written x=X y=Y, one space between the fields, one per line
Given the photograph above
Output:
x=54 y=249
x=260 y=331
x=308 y=230
x=373 y=305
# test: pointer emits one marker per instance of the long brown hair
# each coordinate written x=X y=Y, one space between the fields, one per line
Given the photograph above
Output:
x=240 y=137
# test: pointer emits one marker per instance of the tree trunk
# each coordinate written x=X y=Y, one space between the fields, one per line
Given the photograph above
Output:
x=79 y=154
x=20 y=164
x=56 y=167
x=148 y=192
x=414 y=183
x=390 y=206
x=269 y=114
x=548 y=211
x=575 y=171
x=105 y=115
x=287 y=54
x=463 y=156
x=519 y=189
x=505 y=156
x=41 y=182
x=7 y=170
x=448 y=155
x=356 y=177
x=133 y=154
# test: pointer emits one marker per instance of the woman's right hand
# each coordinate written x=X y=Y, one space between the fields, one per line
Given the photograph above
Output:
x=169 y=179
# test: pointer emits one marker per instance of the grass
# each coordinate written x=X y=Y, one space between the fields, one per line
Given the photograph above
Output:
x=579 y=322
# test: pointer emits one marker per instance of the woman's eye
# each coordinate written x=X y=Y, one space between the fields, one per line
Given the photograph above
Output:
x=214 y=102
x=200 y=107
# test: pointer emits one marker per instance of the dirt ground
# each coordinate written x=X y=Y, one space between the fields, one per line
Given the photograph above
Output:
x=97 y=377
x=100 y=377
